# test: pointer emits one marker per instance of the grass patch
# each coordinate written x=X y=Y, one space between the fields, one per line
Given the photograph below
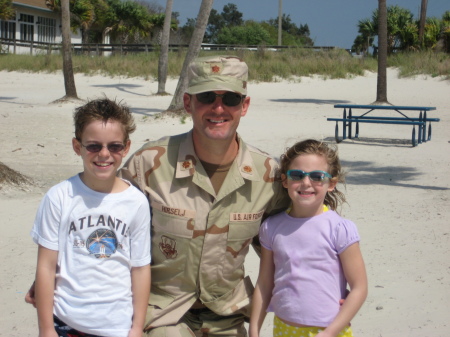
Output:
x=264 y=65
x=10 y=177
x=418 y=63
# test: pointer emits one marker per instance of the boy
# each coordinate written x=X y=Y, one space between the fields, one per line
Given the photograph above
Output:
x=93 y=232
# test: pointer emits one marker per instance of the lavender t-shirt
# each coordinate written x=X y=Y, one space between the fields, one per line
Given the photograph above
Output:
x=309 y=280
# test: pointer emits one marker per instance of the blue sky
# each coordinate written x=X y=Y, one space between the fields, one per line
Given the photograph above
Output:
x=331 y=22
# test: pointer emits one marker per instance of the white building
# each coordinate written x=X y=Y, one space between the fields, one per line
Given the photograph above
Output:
x=34 y=28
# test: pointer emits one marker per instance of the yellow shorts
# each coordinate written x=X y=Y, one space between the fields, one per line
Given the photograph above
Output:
x=282 y=329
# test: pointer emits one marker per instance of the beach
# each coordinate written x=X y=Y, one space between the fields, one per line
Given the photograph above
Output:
x=398 y=195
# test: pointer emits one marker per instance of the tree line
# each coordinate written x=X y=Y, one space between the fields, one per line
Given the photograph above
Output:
x=403 y=32
x=136 y=21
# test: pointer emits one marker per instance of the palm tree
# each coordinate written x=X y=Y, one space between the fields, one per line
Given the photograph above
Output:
x=6 y=10
x=194 y=48
x=164 y=53
x=423 y=16
x=128 y=20
x=382 y=53
x=367 y=32
x=401 y=29
x=69 y=80
x=445 y=32
x=82 y=14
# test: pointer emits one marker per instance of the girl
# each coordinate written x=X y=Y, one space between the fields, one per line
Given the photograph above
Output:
x=309 y=253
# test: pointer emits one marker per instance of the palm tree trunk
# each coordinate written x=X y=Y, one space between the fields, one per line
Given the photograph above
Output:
x=280 y=21
x=382 y=53
x=164 y=52
x=194 y=48
x=69 y=80
x=423 y=18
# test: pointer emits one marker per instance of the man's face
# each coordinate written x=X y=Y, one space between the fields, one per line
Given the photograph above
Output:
x=214 y=121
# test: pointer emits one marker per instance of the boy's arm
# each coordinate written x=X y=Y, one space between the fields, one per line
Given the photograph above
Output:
x=30 y=296
x=140 y=287
x=263 y=291
x=355 y=273
x=44 y=290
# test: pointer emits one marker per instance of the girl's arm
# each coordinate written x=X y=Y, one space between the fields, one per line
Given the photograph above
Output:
x=263 y=292
x=44 y=290
x=355 y=273
x=140 y=287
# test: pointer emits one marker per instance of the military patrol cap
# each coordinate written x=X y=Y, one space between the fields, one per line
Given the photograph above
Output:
x=214 y=73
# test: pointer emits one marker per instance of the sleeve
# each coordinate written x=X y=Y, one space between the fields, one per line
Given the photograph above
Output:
x=140 y=243
x=279 y=203
x=280 y=200
x=45 y=230
x=265 y=235
x=129 y=171
x=346 y=235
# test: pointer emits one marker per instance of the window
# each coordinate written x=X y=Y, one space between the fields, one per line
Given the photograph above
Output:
x=46 y=29
x=7 y=29
x=26 y=27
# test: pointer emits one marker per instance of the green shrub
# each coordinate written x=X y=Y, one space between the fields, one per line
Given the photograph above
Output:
x=265 y=65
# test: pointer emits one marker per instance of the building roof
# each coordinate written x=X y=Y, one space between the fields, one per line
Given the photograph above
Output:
x=38 y=4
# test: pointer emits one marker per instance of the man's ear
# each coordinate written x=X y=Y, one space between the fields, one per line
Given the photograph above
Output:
x=76 y=145
x=245 y=106
x=187 y=103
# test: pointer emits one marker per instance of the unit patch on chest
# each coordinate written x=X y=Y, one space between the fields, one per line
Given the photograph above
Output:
x=168 y=247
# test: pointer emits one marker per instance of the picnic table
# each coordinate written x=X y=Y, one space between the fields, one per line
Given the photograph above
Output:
x=401 y=118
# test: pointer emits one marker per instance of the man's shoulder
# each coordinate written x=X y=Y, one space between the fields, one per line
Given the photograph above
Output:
x=163 y=142
x=262 y=158
x=258 y=152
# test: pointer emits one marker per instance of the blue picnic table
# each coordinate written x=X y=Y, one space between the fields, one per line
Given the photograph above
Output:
x=401 y=118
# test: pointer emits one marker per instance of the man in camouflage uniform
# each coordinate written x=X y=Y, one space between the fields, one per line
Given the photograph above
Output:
x=208 y=191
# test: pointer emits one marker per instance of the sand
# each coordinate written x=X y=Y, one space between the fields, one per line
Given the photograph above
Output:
x=398 y=195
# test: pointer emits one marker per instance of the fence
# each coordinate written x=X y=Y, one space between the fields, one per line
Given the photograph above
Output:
x=15 y=46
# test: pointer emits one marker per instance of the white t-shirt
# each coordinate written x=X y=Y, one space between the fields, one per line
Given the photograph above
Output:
x=99 y=237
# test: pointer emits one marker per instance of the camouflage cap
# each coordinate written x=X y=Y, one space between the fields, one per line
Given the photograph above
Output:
x=214 y=73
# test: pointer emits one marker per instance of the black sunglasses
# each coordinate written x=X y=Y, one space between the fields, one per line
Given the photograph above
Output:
x=229 y=98
x=297 y=175
x=113 y=148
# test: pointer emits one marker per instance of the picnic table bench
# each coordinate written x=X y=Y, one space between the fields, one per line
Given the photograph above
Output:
x=348 y=119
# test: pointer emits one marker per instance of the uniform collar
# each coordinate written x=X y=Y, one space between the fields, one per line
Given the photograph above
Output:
x=188 y=160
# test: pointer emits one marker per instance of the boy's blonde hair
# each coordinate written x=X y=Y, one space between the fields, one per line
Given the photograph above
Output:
x=103 y=109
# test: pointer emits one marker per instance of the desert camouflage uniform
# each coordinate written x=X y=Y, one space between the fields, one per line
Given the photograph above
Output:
x=200 y=239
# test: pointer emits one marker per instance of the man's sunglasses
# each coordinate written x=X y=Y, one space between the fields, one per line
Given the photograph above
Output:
x=229 y=98
x=297 y=175
x=113 y=148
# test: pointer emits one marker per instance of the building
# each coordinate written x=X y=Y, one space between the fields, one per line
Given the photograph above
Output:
x=34 y=22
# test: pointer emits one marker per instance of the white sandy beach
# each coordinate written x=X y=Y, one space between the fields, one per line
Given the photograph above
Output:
x=398 y=195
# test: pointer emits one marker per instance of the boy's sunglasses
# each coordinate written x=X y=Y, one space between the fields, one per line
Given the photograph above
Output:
x=298 y=175
x=113 y=148
x=229 y=98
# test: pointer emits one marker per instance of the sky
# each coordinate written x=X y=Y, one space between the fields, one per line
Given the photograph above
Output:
x=330 y=22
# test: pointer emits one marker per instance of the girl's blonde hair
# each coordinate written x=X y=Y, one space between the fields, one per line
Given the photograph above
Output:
x=334 y=198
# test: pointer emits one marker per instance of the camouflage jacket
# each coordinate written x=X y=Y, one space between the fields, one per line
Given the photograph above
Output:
x=200 y=239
